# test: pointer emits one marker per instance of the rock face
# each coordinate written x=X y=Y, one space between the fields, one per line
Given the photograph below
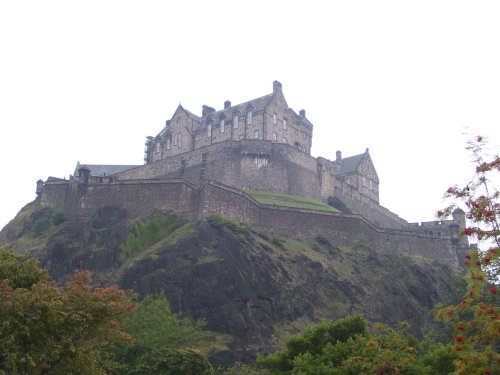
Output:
x=248 y=285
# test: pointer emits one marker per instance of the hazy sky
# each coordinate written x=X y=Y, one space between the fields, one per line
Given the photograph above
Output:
x=89 y=80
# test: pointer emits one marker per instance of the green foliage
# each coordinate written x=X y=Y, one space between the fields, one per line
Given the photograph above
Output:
x=146 y=234
x=312 y=342
x=47 y=329
x=218 y=221
x=19 y=273
x=345 y=348
x=242 y=369
x=57 y=218
x=43 y=224
x=40 y=226
x=476 y=319
x=161 y=342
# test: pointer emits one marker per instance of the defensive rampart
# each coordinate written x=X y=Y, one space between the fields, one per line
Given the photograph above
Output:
x=144 y=198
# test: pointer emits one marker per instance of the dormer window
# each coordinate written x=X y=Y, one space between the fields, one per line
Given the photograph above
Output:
x=209 y=130
x=235 y=122
x=274 y=119
x=249 y=117
x=284 y=124
x=222 y=125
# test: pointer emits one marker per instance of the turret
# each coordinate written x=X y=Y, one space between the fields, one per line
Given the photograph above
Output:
x=39 y=187
x=84 y=175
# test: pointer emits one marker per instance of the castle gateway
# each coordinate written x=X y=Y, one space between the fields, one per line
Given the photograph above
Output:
x=200 y=165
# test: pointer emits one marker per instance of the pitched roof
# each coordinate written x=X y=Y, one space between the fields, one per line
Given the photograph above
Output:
x=258 y=104
x=349 y=164
x=101 y=170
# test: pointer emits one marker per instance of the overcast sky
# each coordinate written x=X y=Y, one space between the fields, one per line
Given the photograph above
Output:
x=88 y=81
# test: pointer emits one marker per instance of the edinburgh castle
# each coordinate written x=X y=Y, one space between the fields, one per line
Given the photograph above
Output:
x=198 y=166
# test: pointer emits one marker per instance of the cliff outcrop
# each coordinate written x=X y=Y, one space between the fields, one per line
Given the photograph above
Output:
x=252 y=287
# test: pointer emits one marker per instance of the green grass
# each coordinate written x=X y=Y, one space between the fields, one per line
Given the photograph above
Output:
x=286 y=200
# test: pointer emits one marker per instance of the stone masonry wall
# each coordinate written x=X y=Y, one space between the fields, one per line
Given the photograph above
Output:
x=145 y=198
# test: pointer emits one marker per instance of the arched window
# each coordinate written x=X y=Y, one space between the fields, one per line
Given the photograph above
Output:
x=249 y=117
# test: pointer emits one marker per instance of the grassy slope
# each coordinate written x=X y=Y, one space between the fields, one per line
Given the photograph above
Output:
x=286 y=200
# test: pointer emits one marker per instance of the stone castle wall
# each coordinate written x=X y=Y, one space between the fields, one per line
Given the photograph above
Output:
x=144 y=198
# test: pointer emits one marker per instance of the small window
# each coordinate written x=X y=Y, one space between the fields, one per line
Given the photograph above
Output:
x=222 y=126
x=284 y=124
x=175 y=140
x=274 y=119
x=285 y=141
x=179 y=143
x=209 y=130
x=256 y=134
x=235 y=122
x=242 y=137
x=275 y=137
x=249 y=117
x=158 y=147
x=169 y=141
x=304 y=135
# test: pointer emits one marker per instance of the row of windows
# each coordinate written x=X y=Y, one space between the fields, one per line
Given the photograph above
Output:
x=275 y=121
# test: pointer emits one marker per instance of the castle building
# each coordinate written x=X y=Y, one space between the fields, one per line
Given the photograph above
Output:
x=200 y=165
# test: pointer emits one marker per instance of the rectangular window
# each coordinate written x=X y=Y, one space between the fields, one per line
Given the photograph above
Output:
x=256 y=134
x=235 y=122
x=209 y=130
x=169 y=141
x=284 y=124
x=304 y=135
x=275 y=137
x=274 y=119
x=180 y=141
x=249 y=118
x=222 y=126
x=175 y=140
x=285 y=140
x=158 y=147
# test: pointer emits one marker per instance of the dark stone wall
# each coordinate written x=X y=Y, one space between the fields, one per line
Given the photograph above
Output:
x=142 y=198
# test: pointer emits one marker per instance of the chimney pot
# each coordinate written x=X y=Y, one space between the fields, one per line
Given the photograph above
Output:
x=302 y=112
x=276 y=86
x=227 y=104
x=338 y=156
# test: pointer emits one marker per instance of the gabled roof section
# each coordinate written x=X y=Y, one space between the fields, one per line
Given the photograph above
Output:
x=101 y=170
x=189 y=114
x=350 y=165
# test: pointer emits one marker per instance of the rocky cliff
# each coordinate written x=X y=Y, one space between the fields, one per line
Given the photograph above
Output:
x=251 y=287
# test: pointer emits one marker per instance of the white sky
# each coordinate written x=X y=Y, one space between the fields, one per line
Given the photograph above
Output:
x=89 y=80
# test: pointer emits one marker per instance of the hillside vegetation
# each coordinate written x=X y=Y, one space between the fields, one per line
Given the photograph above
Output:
x=253 y=289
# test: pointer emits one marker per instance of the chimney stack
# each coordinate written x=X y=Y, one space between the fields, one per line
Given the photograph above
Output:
x=276 y=87
x=302 y=113
x=227 y=104
x=205 y=110
x=338 y=156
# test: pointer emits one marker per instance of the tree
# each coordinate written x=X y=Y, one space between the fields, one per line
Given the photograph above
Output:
x=48 y=329
x=311 y=343
x=162 y=342
x=477 y=316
